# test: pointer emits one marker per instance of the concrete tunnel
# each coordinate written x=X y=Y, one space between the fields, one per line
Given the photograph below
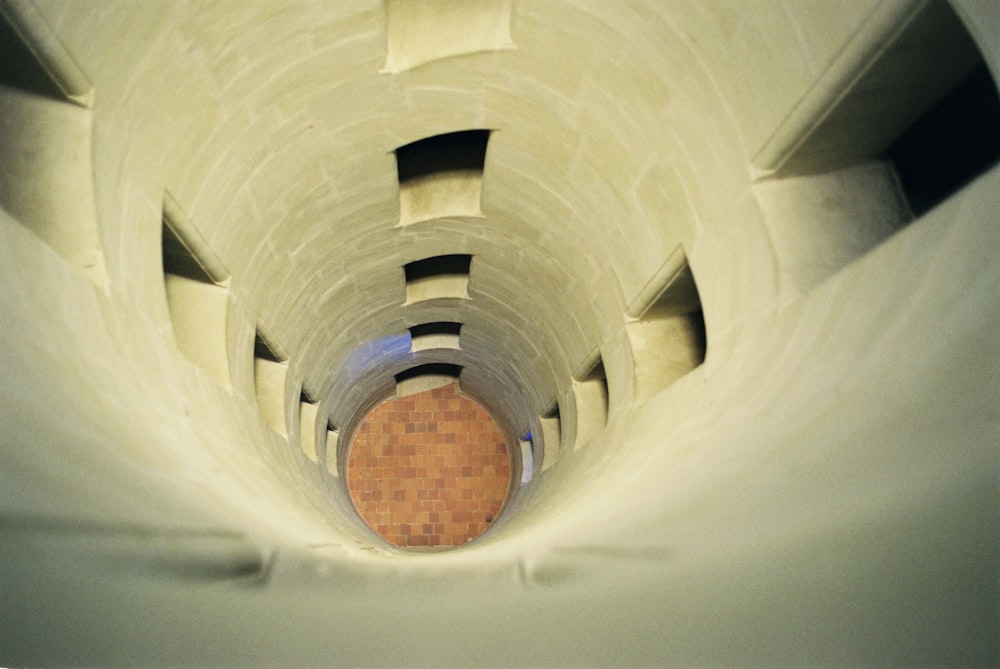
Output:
x=726 y=276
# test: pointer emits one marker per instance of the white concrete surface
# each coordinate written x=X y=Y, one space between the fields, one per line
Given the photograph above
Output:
x=821 y=491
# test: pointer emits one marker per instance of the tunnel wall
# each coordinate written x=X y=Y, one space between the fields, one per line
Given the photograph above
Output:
x=821 y=490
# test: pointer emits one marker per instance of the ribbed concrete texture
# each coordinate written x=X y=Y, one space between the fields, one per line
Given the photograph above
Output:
x=430 y=469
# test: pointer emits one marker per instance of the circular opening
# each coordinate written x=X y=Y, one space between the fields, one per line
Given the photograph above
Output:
x=430 y=469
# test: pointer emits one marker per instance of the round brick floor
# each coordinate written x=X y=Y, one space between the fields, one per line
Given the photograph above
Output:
x=430 y=469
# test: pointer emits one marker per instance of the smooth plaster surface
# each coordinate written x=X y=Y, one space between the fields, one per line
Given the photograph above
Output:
x=821 y=491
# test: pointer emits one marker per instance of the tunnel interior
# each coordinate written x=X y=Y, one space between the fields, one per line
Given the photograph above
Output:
x=722 y=277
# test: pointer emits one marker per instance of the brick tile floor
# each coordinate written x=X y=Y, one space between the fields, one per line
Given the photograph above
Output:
x=430 y=469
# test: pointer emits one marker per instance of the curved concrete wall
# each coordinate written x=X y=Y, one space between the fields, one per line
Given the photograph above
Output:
x=821 y=490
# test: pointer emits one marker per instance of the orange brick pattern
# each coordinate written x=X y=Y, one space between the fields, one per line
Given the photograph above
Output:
x=430 y=469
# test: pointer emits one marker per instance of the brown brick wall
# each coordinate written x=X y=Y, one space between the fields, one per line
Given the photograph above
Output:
x=430 y=469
